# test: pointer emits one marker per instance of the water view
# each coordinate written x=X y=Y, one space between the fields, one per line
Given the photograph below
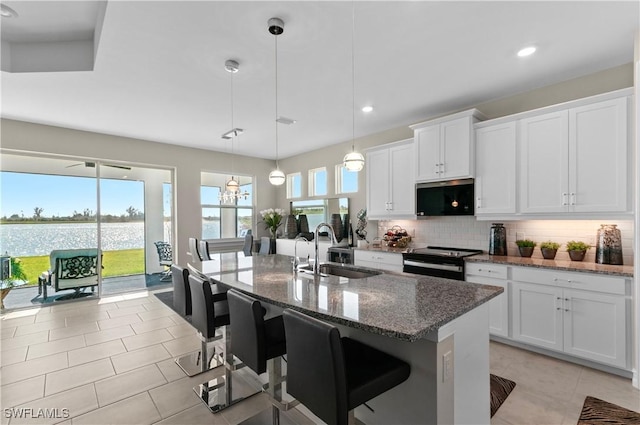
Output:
x=41 y=239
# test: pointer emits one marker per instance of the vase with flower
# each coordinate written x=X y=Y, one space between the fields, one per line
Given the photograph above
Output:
x=272 y=218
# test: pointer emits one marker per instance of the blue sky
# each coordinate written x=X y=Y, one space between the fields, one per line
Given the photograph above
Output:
x=20 y=193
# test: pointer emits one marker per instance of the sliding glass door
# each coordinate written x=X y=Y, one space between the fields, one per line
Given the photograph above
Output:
x=75 y=209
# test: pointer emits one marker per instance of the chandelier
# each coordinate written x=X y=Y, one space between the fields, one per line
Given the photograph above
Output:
x=232 y=191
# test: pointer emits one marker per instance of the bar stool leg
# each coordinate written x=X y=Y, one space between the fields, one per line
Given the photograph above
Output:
x=230 y=388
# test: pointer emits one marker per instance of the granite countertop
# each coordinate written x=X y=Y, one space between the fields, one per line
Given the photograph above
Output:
x=565 y=265
x=399 y=305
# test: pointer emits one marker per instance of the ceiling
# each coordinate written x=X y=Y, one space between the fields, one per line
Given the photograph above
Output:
x=159 y=66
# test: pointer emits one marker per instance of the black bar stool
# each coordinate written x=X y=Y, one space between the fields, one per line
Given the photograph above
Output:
x=208 y=314
x=330 y=375
x=200 y=361
x=260 y=345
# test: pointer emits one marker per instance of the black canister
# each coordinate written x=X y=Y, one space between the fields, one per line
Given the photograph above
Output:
x=497 y=239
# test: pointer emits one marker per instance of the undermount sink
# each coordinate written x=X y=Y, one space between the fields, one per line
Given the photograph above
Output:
x=342 y=271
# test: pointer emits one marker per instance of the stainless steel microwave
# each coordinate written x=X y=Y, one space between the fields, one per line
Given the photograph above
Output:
x=446 y=198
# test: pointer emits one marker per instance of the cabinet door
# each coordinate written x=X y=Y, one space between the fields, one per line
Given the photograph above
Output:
x=455 y=149
x=495 y=183
x=537 y=315
x=402 y=193
x=377 y=183
x=544 y=178
x=498 y=307
x=427 y=153
x=598 y=157
x=595 y=327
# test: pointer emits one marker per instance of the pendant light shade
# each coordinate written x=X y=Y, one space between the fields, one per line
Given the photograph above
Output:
x=276 y=177
x=233 y=185
x=353 y=161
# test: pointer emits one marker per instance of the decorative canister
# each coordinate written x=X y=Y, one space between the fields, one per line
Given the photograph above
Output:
x=497 y=239
x=303 y=223
x=291 y=227
x=609 y=245
x=336 y=223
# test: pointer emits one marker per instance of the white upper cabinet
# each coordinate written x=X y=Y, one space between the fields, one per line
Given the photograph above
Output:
x=543 y=163
x=390 y=183
x=598 y=157
x=444 y=148
x=495 y=184
x=575 y=160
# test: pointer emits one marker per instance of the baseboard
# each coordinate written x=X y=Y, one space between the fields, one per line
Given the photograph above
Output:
x=629 y=374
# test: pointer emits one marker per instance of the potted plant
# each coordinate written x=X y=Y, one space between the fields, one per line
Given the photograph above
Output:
x=8 y=281
x=549 y=249
x=577 y=250
x=525 y=246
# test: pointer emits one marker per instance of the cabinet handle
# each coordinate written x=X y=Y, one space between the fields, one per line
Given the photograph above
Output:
x=555 y=279
x=566 y=299
x=573 y=198
x=558 y=308
x=390 y=205
x=478 y=203
x=564 y=199
x=566 y=309
x=558 y=298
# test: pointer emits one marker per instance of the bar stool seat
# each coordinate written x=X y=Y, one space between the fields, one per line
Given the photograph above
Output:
x=331 y=375
x=259 y=343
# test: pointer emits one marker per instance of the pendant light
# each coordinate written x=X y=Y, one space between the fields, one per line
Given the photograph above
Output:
x=276 y=27
x=232 y=186
x=353 y=161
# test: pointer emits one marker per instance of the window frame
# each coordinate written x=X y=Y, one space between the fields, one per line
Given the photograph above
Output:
x=313 y=179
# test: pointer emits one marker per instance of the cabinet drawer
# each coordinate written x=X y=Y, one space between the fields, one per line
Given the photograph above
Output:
x=586 y=281
x=486 y=270
x=388 y=258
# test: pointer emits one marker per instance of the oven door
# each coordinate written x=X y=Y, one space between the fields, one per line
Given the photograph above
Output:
x=438 y=267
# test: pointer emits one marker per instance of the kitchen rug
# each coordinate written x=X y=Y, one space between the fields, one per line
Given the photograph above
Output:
x=500 y=390
x=596 y=411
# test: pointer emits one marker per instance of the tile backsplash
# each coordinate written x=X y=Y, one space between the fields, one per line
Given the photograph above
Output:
x=467 y=232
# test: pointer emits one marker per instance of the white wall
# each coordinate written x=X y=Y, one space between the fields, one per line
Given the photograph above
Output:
x=18 y=136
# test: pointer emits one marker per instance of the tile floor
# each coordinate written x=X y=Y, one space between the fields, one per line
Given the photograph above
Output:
x=110 y=361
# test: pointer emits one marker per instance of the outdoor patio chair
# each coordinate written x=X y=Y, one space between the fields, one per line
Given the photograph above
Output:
x=166 y=259
x=75 y=269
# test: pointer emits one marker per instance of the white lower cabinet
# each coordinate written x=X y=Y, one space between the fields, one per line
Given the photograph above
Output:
x=390 y=261
x=496 y=275
x=547 y=311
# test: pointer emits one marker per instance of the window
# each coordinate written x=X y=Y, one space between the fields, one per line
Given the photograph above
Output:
x=221 y=219
x=346 y=181
x=318 y=182
x=294 y=185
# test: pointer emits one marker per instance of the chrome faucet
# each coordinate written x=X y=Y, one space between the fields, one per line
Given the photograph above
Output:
x=334 y=241
x=296 y=261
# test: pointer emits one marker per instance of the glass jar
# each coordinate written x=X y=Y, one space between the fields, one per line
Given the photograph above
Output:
x=609 y=245
x=498 y=239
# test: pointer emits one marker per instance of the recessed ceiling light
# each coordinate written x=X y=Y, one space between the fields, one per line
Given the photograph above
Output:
x=7 y=12
x=526 y=51
x=285 y=120
x=367 y=108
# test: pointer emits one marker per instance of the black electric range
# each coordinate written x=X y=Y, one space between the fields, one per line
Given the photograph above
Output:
x=437 y=261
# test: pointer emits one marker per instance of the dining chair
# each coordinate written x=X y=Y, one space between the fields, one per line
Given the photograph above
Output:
x=265 y=245
x=194 y=250
x=248 y=244
x=204 y=251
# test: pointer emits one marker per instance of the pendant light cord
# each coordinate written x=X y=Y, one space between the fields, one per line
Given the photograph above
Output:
x=233 y=132
x=353 y=77
x=276 y=119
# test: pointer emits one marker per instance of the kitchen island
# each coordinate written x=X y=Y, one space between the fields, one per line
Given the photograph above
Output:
x=439 y=326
